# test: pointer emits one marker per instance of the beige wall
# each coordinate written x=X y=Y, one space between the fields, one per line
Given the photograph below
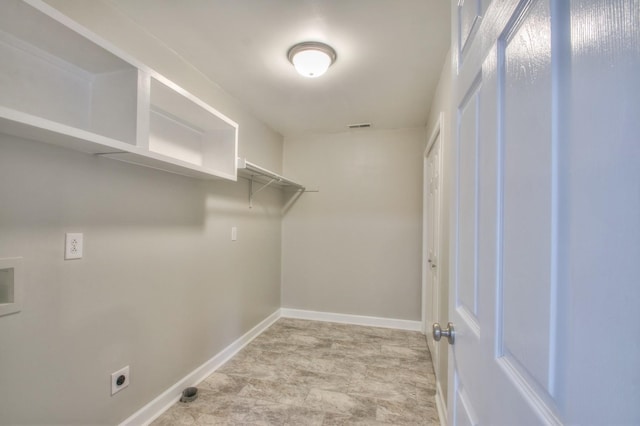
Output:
x=354 y=247
x=442 y=103
x=160 y=288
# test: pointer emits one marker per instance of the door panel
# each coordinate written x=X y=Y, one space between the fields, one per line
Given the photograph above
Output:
x=527 y=284
x=469 y=15
x=504 y=352
x=600 y=215
x=464 y=413
x=545 y=231
x=467 y=289
x=465 y=292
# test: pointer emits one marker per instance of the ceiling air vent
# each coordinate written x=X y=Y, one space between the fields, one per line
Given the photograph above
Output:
x=360 y=126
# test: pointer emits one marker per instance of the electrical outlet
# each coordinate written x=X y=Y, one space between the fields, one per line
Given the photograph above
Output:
x=119 y=380
x=234 y=233
x=73 y=246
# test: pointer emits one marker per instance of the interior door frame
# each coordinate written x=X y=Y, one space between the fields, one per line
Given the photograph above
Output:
x=437 y=133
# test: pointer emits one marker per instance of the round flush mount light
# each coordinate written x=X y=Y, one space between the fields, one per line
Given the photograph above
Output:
x=312 y=58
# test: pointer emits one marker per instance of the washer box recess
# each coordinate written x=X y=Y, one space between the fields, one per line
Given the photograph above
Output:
x=10 y=285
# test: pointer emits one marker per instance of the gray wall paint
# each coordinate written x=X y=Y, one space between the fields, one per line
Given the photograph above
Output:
x=354 y=247
x=442 y=103
x=161 y=286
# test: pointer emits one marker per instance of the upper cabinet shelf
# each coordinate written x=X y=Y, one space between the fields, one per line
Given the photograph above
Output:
x=60 y=84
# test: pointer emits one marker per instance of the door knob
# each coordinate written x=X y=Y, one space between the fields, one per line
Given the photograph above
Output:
x=449 y=332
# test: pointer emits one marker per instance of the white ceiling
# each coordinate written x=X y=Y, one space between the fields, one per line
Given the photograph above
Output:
x=390 y=53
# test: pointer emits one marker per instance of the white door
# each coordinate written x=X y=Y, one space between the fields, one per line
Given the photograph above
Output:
x=431 y=240
x=545 y=283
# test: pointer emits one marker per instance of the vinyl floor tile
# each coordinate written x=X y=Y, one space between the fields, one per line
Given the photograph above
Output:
x=301 y=372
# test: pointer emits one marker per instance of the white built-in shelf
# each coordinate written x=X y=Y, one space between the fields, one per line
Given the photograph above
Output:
x=61 y=84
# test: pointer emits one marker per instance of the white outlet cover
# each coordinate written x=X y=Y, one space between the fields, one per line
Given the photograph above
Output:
x=73 y=246
x=115 y=387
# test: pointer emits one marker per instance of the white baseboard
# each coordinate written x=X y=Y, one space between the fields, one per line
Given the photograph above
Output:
x=352 y=319
x=159 y=405
x=441 y=405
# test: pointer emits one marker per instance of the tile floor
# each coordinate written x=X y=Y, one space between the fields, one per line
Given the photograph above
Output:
x=317 y=373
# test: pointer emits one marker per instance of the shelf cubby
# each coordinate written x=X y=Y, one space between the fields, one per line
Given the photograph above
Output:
x=50 y=72
x=183 y=127
x=63 y=85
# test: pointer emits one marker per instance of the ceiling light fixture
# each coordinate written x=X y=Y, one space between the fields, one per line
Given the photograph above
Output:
x=312 y=58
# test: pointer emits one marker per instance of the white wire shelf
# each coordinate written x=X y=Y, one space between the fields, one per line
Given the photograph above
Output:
x=250 y=170
x=257 y=174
